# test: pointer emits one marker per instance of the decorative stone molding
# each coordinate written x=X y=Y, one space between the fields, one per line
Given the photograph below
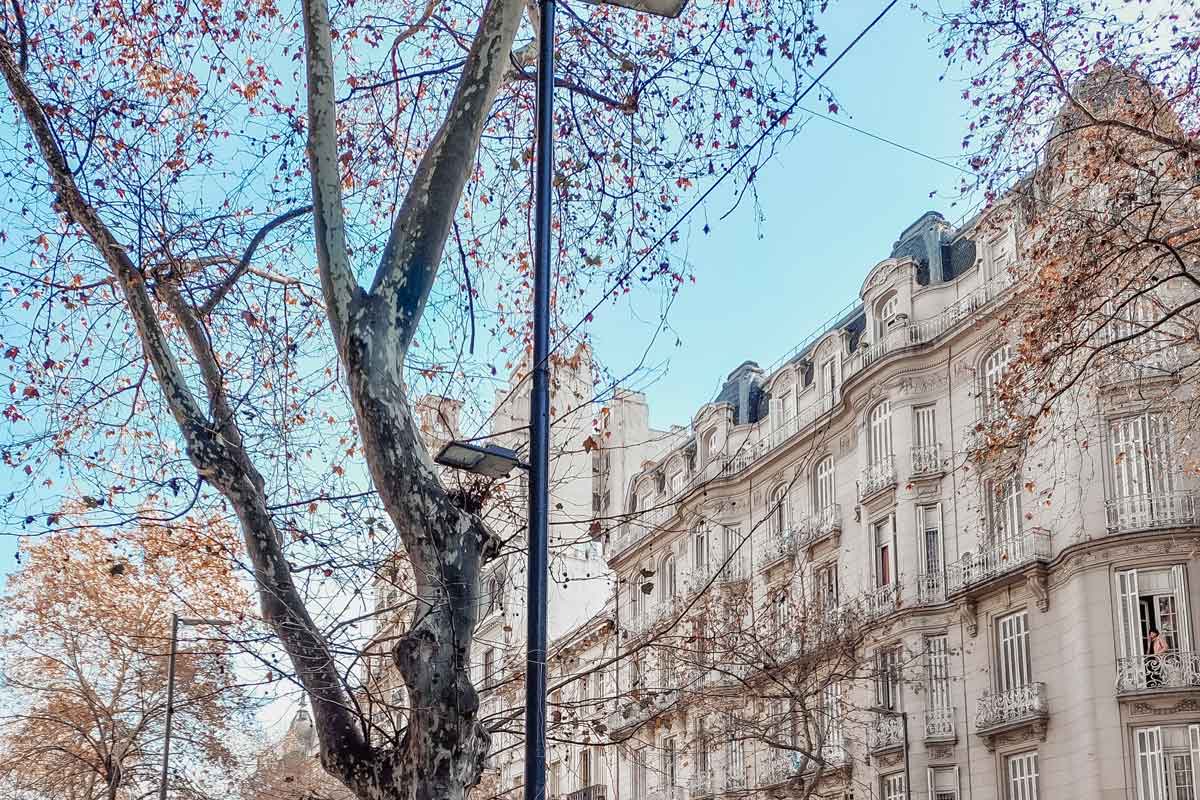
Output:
x=918 y=383
x=944 y=753
x=1039 y=586
x=1189 y=705
x=969 y=614
x=1035 y=730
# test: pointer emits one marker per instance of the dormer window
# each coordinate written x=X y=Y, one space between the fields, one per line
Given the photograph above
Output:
x=886 y=314
x=660 y=481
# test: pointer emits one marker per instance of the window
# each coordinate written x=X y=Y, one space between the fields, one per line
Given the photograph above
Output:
x=668 y=581
x=943 y=783
x=1013 y=669
x=929 y=523
x=782 y=611
x=597 y=682
x=1167 y=760
x=778 y=510
x=1021 y=776
x=670 y=768
x=645 y=499
x=1143 y=473
x=493 y=594
x=893 y=786
x=925 y=455
x=999 y=254
x=831 y=714
x=489 y=666
x=823 y=485
x=639 y=775
x=784 y=408
x=555 y=781
x=735 y=763
x=885 y=314
x=636 y=671
x=829 y=378
x=937 y=672
x=879 y=432
x=733 y=554
x=1152 y=601
x=677 y=480
x=660 y=481
x=703 y=765
x=710 y=445
x=887 y=677
x=666 y=658
x=884 y=540
x=992 y=372
x=635 y=597
x=585 y=767
x=700 y=549
x=1002 y=498
x=826 y=585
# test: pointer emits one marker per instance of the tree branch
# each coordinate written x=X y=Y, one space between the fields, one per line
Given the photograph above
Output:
x=244 y=264
x=414 y=249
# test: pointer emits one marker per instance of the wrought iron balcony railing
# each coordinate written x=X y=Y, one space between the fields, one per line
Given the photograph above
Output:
x=819 y=524
x=998 y=558
x=886 y=733
x=778 y=546
x=1172 y=670
x=594 y=792
x=939 y=723
x=1156 y=510
x=880 y=601
x=877 y=477
x=931 y=589
x=998 y=709
x=927 y=459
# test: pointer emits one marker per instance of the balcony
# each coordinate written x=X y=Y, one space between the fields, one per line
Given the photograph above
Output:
x=781 y=766
x=701 y=783
x=1004 y=556
x=816 y=526
x=998 y=711
x=931 y=589
x=886 y=733
x=880 y=601
x=1172 y=670
x=1150 y=511
x=635 y=712
x=927 y=459
x=877 y=477
x=778 y=546
x=939 y=725
x=595 y=792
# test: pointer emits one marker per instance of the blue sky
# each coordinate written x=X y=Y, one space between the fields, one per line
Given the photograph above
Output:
x=832 y=204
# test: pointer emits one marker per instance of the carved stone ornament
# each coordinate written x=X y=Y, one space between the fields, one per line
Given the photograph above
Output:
x=944 y=753
x=890 y=759
x=1040 y=588
x=1145 y=709
x=970 y=616
x=1034 y=730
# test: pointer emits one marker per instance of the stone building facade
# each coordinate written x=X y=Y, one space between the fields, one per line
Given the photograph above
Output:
x=1002 y=616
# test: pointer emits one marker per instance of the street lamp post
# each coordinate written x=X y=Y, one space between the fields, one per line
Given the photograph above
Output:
x=176 y=621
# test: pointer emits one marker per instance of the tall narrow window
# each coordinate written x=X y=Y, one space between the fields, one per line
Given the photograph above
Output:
x=1167 y=762
x=926 y=456
x=884 y=532
x=999 y=255
x=735 y=763
x=993 y=370
x=829 y=382
x=585 y=767
x=893 y=786
x=640 y=787
x=825 y=588
x=700 y=549
x=879 y=431
x=887 y=677
x=670 y=769
x=1013 y=669
x=668 y=581
x=937 y=672
x=1153 y=605
x=943 y=783
x=929 y=522
x=778 y=511
x=489 y=666
x=885 y=314
x=1002 y=497
x=733 y=553
x=831 y=715
x=1143 y=478
x=824 y=490
x=710 y=445
x=1022 y=776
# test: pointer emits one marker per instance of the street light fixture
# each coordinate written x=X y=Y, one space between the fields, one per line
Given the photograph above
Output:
x=489 y=460
x=176 y=621
x=903 y=715
x=537 y=574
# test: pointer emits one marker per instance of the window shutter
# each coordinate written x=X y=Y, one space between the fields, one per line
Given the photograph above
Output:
x=1179 y=587
x=1149 y=763
x=1129 y=622
x=1194 y=743
x=895 y=557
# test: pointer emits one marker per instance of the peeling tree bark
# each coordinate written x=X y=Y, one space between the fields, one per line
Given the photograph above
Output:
x=442 y=753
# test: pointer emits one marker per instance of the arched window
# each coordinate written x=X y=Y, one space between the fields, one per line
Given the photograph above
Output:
x=879 y=432
x=493 y=594
x=992 y=371
x=699 y=549
x=778 y=509
x=667 y=580
x=635 y=596
x=710 y=445
x=783 y=610
x=823 y=485
x=885 y=313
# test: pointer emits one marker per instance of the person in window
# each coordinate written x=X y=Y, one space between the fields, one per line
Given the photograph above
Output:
x=1157 y=648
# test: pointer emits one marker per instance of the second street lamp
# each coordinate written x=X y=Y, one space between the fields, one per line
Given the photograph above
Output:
x=176 y=621
x=539 y=401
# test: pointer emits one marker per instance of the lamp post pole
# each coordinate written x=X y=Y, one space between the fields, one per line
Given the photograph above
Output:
x=539 y=422
x=162 y=784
